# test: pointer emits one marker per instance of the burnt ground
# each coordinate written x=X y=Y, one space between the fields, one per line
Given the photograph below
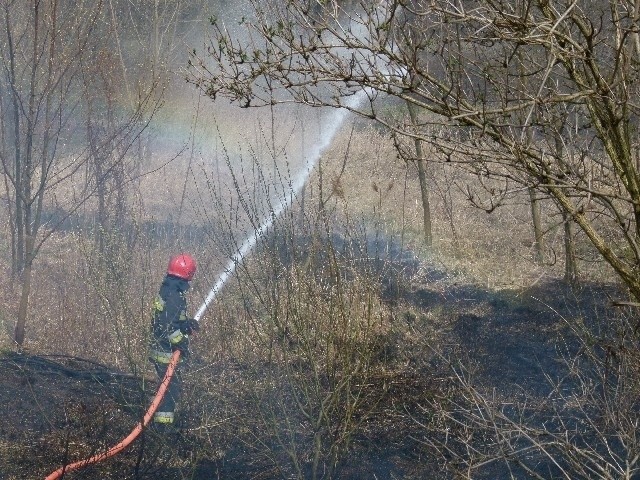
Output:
x=57 y=409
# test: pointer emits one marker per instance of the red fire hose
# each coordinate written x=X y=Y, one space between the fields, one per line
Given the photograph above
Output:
x=134 y=433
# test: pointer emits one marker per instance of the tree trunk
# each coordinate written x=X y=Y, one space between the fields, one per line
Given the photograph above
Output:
x=422 y=178
x=21 y=321
x=537 y=227
x=303 y=192
x=17 y=234
x=19 y=331
x=570 y=263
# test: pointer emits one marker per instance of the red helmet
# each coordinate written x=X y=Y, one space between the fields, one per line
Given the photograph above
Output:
x=182 y=266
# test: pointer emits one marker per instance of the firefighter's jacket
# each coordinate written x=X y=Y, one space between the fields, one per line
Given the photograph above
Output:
x=169 y=322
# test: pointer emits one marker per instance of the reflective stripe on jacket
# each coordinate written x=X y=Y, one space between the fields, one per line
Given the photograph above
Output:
x=163 y=417
x=159 y=356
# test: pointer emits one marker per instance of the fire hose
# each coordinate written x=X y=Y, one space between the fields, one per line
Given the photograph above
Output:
x=134 y=433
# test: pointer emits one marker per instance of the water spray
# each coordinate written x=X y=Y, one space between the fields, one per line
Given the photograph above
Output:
x=296 y=186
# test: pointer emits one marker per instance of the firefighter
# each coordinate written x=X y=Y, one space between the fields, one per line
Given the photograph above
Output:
x=170 y=331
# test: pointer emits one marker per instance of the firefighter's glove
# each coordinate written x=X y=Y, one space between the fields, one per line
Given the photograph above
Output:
x=190 y=326
x=183 y=347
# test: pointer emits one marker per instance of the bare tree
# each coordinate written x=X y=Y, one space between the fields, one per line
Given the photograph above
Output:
x=43 y=56
x=422 y=178
x=464 y=62
x=38 y=86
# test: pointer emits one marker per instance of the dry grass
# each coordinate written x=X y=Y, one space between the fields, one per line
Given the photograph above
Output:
x=494 y=250
x=285 y=325
x=79 y=308
x=364 y=182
